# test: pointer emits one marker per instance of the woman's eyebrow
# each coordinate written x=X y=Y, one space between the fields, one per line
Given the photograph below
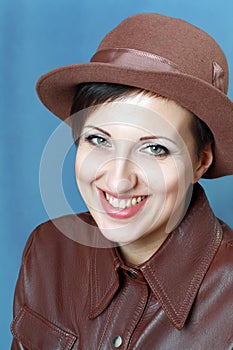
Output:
x=144 y=138
x=99 y=129
x=155 y=137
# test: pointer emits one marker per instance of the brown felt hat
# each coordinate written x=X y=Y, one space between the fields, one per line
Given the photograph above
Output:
x=165 y=55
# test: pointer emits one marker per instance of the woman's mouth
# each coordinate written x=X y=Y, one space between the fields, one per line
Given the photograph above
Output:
x=123 y=203
x=121 y=207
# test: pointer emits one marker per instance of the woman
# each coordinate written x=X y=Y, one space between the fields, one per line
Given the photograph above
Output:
x=150 y=267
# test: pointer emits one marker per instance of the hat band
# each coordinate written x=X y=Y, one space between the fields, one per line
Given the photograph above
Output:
x=142 y=60
x=134 y=58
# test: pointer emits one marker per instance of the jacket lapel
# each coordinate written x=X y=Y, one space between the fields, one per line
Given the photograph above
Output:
x=177 y=269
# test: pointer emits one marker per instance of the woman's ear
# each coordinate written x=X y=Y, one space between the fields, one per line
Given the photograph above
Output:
x=204 y=162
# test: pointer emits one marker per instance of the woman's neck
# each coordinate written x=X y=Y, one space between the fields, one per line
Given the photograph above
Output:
x=138 y=252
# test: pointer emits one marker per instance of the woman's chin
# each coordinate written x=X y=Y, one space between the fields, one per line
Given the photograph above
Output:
x=118 y=236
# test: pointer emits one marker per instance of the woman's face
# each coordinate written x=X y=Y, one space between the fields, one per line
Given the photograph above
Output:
x=135 y=166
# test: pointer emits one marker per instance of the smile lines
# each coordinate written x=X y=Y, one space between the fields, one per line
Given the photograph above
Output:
x=123 y=203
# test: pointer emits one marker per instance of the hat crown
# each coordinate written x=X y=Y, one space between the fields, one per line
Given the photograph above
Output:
x=190 y=48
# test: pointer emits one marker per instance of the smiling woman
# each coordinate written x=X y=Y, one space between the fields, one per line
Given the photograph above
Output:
x=155 y=271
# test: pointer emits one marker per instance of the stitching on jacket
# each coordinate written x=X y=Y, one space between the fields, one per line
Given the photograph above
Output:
x=205 y=260
x=109 y=318
x=97 y=306
x=21 y=337
x=147 y=296
x=64 y=337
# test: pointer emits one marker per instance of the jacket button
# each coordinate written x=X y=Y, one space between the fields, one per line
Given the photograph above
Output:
x=132 y=275
x=117 y=341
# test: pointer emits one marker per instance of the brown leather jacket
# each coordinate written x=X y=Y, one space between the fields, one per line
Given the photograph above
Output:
x=71 y=296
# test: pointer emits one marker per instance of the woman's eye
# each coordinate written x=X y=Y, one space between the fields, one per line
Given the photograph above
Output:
x=97 y=140
x=156 y=150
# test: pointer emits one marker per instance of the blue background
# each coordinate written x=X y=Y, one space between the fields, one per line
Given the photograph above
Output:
x=36 y=36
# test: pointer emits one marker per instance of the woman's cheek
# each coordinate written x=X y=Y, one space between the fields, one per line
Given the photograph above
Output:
x=86 y=164
x=161 y=176
x=173 y=182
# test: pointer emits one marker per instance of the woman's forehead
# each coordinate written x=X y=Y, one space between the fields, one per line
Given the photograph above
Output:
x=146 y=115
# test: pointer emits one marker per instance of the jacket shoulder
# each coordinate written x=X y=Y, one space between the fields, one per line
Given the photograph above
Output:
x=227 y=234
x=222 y=263
x=67 y=230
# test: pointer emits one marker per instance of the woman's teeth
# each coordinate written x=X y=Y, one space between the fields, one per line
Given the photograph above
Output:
x=123 y=203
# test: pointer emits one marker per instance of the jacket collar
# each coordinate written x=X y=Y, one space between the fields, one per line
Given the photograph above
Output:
x=174 y=273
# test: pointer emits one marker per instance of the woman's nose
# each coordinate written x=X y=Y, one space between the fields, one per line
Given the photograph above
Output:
x=121 y=176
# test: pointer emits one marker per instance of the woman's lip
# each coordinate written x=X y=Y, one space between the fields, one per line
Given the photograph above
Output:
x=119 y=213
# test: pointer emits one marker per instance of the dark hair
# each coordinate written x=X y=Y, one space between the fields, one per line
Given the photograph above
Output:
x=93 y=94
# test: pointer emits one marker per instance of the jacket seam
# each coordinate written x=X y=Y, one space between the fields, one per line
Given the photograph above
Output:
x=185 y=304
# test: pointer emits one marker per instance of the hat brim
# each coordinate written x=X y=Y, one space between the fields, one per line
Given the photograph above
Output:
x=57 y=89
